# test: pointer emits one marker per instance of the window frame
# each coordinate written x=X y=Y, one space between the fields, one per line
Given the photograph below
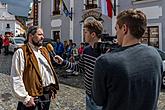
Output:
x=55 y=30
x=91 y=4
x=148 y=36
x=55 y=8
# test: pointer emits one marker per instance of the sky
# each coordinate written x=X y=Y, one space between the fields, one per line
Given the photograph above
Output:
x=18 y=7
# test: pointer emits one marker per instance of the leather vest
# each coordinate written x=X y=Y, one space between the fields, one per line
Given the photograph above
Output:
x=31 y=75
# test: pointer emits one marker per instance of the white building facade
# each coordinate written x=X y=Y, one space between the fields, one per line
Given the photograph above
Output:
x=7 y=21
x=57 y=24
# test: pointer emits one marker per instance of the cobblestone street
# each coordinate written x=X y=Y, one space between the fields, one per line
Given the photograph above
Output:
x=69 y=97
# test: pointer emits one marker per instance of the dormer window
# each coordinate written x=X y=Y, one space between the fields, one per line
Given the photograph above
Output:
x=8 y=26
x=90 y=4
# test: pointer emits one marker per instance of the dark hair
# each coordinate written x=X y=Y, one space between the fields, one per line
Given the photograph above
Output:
x=70 y=41
x=32 y=30
x=7 y=33
x=82 y=43
x=135 y=20
x=94 y=26
x=74 y=44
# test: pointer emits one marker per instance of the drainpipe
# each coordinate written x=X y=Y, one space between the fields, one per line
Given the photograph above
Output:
x=39 y=12
x=115 y=12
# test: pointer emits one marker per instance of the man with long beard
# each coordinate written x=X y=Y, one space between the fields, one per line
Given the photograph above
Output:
x=33 y=77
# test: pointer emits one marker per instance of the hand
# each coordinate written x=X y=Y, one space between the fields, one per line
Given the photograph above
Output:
x=30 y=103
x=58 y=59
x=115 y=41
x=53 y=96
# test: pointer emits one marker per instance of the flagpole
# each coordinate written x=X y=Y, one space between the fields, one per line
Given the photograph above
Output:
x=70 y=15
x=114 y=8
x=71 y=21
x=39 y=12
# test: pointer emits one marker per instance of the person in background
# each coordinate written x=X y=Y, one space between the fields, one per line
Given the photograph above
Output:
x=75 y=53
x=69 y=49
x=34 y=79
x=65 y=49
x=11 y=37
x=74 y=57
x=81 y=49
x=128 y=78
x=69 y=54
x=59 y=47
x=6 y=43
x=91 y=33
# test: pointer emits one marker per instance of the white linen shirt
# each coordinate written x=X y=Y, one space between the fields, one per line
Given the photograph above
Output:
x=17 y=70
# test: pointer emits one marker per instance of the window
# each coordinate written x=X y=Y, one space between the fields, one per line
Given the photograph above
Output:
x=151 y=36
x=56 y=35
x=90 y=4
x=8 y=26
x=56 y=7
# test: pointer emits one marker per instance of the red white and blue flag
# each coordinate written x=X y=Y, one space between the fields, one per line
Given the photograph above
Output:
x=106 y=6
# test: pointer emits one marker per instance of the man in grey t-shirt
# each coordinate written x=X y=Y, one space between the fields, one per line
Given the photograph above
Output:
x=130 y=76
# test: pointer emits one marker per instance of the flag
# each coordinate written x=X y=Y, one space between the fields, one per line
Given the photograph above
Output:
x=65 y=10
x=106 y=6
x=18 y=7
x=109 y=8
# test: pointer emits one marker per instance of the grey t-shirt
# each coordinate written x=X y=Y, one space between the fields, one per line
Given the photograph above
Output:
x=128 y=79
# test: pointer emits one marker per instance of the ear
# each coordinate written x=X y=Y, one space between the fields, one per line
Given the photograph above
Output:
x=125 y=28
x=93 y=34
x=30 y=36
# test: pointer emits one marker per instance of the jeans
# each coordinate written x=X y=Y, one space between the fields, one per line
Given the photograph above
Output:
x=91 y=105
x=6 y=52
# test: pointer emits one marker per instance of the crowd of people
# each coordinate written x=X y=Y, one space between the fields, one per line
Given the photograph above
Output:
x=126 y=78
x=68 y=50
